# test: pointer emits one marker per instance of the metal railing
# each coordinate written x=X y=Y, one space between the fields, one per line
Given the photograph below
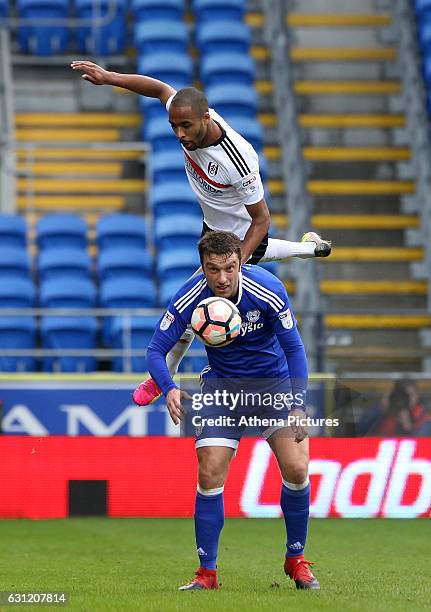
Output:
x=128 y=349
x=7 y=136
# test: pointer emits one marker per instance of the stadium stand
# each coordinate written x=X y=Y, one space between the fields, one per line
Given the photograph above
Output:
x=3 y=8
x=170 y=198
x=218 y=10
x=161 y=36
x=122 y=230
x=167 y=166
x=223 y=37
x=75 y=293
x=61 y=231
x=64 y=334
x=43 y=39
x=159 y=133
x=177 y=231
x=13 y=231
x=63 y=262
x=233 y=100
x=235 y=68
x=108 y=38
x=351 y=143
x=156 y=10
x=179 y=263
x=124 y=262
x=17 y=293
x=17 y=333
x=14 y=262
x=141 y=330
x=167 y=67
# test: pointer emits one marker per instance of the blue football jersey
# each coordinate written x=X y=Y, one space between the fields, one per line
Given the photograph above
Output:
x=268 y=346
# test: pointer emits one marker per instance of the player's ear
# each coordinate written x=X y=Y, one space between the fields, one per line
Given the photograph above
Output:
x=206 y=116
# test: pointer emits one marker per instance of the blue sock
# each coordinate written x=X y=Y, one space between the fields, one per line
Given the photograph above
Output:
x=296 y=507
x=209 y=521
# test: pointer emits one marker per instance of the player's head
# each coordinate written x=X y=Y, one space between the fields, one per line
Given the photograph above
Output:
x=220 y=255
x=189 y=117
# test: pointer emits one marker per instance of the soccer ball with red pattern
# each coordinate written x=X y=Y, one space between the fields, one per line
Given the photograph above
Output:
x=216 y=321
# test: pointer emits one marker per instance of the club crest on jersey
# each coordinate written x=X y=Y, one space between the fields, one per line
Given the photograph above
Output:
x=212 y=168
x=167 y=321
x=253 y=316
x=286 y=319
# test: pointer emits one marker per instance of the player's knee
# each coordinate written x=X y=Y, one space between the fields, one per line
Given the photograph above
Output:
x=297 y=474
x=211 y=477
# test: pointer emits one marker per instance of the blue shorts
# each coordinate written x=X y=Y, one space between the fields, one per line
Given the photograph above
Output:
x=223 y=424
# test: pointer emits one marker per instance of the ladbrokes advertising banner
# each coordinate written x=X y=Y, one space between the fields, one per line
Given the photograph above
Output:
x=156 y=476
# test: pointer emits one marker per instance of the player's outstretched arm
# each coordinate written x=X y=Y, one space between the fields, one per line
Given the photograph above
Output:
x=137 y=83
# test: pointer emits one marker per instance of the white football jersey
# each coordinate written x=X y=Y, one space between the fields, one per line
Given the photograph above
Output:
x=225 y=178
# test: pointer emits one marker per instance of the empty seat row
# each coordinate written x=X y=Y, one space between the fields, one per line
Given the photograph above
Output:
x=61 y=230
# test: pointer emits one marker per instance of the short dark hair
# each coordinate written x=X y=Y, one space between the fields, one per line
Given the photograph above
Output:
x=190 y=96
x=219 y=243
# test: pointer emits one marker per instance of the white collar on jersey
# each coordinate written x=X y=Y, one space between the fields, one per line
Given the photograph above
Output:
x=239 y=288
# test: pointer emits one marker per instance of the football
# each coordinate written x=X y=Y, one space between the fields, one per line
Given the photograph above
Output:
x=216 y=321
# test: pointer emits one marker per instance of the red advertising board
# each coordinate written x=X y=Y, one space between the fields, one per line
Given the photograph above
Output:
x=156 y=476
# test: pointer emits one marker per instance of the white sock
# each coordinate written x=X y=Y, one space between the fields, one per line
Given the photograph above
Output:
x=283 y=249
x=177 y=352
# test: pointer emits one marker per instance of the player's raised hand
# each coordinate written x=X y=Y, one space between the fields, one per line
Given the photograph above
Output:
x=92 y=72
x=173 y=402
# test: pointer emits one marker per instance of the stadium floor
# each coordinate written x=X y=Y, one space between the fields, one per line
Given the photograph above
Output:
x=137 y=564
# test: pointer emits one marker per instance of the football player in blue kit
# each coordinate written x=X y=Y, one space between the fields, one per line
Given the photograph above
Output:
x=269 y=350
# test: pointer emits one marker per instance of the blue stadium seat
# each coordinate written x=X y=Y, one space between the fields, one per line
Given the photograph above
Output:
x=422 y=8
x=141 y=332
x=168 y=166
x=168 y=288
x=13 y=231
x=161 y=136
x=424 y=35
x=172 y=198
x=218 y=10
x=17 y=333
x=238 y=100
x=16 y=293
x=63 y=263
x=167 y=67
x=43 y=39
x=103 y=38
x=223 y=37
x=121 y=230
x=180 y=262
x=177 y=231
x=67 y=293
x=161 y=36
x=14 y=262
x=124 y=261
x=61 y=231
x=251 y=130
x=156 y=10
x=69 y=333
x=3 y=8
x=152 y=108
x=222 y=68
x=125 y=293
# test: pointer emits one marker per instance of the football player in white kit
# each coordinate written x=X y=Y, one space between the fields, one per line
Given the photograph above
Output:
x=223 y=170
